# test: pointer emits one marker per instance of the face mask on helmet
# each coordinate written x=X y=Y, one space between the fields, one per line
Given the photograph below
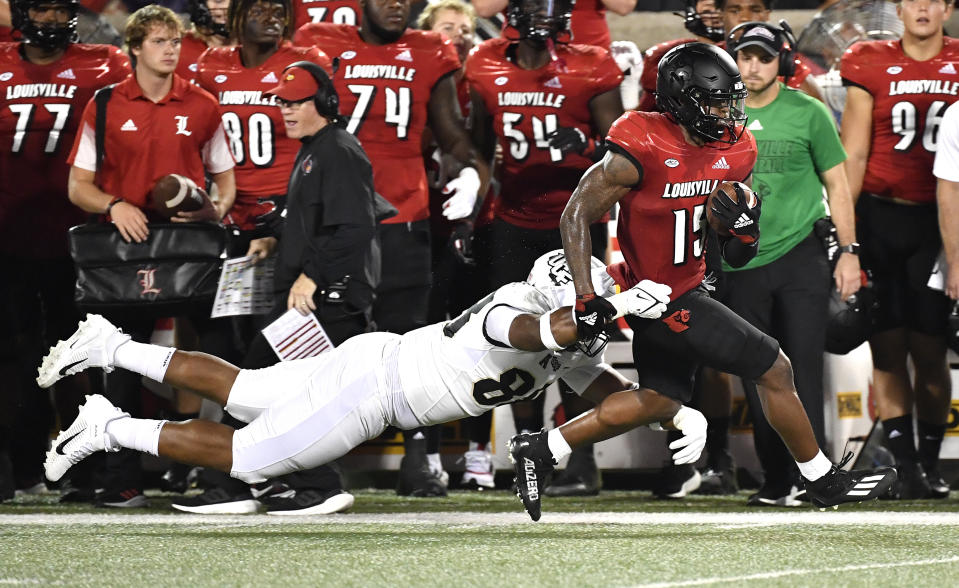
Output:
x=551 y=276
x=700 y=87
x=50 y=34
x=697 y=25
x=201 y=18
x=539 y=20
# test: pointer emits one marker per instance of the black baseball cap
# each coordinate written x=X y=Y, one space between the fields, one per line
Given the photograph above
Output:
x=768 y=37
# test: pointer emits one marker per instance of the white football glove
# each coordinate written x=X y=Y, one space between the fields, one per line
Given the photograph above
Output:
x=690 y=446
x=464 y=189
x=626 y=54
x=647 y=299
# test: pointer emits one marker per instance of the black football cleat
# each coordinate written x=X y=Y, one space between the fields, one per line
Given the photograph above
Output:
x=938 y=488
x=580 y=478
x=839 y=486
x=532 y=465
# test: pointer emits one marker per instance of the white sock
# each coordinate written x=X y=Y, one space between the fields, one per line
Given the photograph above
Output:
x=143 y=358
x=139 y=434
x=815 y=468
x=557 y=445
x=474 y=446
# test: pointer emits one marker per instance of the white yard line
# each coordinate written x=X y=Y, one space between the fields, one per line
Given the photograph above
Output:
x=802 y=572
x=764 y=519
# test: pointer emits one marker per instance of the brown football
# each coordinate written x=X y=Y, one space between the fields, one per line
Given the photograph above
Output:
x=730 y=189
x=174 y=193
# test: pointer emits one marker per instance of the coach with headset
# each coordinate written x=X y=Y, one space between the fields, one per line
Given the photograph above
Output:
x=784 y=290
x=329 y=258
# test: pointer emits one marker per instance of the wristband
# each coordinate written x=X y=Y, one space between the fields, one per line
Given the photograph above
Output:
x=546 y=333
x=112 y=203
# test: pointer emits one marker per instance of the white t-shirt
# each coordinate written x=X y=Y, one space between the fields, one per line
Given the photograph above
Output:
x=947 y=150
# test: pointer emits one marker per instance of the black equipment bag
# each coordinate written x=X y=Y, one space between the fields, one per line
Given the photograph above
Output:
x=175 y=271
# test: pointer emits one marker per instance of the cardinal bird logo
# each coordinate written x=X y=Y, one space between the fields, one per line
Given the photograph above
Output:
x=678 y=321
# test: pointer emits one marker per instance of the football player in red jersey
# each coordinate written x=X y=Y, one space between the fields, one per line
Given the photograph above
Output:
x=264 y=155
x=545 y=103
x=660 y=168
x=334 y=11
x=897 y=93
x=392 y=82
x=209 y=30
x=46 y=80
x=587 y=24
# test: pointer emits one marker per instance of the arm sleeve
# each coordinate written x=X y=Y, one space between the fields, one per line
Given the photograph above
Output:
x=827 y=149
x=735 y=252
x=947 y=153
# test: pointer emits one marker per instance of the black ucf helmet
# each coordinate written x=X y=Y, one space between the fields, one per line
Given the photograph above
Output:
x=539 y=20
x=699 y=86
x=45 y=35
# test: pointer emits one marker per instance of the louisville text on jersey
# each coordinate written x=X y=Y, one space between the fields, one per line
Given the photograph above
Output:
x=547 y=99
x=40 y=91
x=923 y=87
x=689 y=189
x=250 y=97
x=374 y=72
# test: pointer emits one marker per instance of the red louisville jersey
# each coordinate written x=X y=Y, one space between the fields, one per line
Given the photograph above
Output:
x=527 y=105
x=660 y=228
x=346 y=12
x=263 y=153
x=384 y=94
x=192 y=47
x=909 y=99
x=40 y=109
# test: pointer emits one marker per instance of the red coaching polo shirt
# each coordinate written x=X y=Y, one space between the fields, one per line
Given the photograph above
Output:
x=145 y=140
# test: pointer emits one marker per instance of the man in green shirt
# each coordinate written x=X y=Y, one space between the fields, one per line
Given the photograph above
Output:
x=784 y=289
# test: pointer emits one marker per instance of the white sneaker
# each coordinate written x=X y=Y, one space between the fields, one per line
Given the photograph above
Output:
x=436 y=467
x=87 y=434
x=92 y=345
x=479 y=470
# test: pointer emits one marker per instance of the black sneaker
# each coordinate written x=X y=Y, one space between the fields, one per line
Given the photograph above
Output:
x=218 y=501
x=178 y=478
x=417 y=479
x=839 y=486
x=309 y=502
x=937 y=486
x=912 y=483
x=580 y=478
x=677 y=481
x=129 y=498
x=532 y=466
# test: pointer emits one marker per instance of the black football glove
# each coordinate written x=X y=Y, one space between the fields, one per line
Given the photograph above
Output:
x=568 y=140
x=461 y=242
x=737 y=218
x=591 y=313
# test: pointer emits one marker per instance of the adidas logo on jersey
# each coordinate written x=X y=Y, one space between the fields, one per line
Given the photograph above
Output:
x=129 y=126
x=948 y=69
x=405 y=56
x=742 y=221
x=67 y=74
x=553 y=83
x=269 y=78
x=721 y=164
x=755 y=126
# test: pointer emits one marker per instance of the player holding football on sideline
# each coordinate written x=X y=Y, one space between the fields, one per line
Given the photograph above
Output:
x=508 y=346
x=897 y=93
x=547 y=104
x=47 y=79
x=209 y=30
x=392 y=82
x=661 y=167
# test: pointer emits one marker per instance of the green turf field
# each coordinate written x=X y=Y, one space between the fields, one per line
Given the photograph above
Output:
x=616 y=539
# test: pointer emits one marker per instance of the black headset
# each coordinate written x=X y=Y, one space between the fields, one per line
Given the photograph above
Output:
x=787 y=57
x=326 y=100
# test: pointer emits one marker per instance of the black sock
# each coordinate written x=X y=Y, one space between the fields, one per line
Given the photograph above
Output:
x=930 y=442
x=900 y=438
x=434 y=435
x=717 y=442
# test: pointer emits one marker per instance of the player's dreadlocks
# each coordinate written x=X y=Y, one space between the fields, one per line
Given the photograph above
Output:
x=236 y=17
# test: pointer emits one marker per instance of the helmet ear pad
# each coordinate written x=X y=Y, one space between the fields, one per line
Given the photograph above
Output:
x=326 y=100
